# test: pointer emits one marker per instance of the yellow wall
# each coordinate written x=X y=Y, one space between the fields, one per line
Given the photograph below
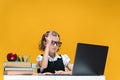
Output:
x=22 y=22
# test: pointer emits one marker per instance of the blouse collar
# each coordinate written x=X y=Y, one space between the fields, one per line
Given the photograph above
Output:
x=55 y=58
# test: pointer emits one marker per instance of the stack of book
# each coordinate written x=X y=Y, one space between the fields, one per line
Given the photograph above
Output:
x=18 y=68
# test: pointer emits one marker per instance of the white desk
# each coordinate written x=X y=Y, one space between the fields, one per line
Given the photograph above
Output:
x=36 y=77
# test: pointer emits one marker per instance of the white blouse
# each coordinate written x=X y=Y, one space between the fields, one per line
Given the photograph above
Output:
x=65 y=58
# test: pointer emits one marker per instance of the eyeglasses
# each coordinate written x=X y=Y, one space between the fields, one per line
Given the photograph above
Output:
x=58 y=43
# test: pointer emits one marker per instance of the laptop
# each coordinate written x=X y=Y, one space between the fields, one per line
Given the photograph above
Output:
x=90 y=59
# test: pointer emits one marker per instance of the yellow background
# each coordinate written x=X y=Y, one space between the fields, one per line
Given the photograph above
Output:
x=22 y=23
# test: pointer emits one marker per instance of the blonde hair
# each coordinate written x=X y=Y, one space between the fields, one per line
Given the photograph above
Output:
x=41 y=44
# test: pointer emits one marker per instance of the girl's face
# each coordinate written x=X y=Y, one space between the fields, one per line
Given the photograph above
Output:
x=54 y=44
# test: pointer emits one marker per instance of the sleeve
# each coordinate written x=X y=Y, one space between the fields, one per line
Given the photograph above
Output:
x=66 y=59
x=39 y=58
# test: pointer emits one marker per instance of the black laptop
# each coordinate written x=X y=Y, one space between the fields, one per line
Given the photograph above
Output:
x=90 y=59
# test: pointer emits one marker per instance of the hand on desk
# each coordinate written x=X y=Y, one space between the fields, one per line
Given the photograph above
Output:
x=63 y=72
x=58 y=72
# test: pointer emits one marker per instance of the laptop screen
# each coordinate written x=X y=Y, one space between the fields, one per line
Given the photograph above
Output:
x=90 y=59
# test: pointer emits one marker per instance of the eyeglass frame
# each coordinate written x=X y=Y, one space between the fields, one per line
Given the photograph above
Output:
x=58 y=43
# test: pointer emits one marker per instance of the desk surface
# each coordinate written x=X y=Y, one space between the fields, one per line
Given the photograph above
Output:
x=38 y=77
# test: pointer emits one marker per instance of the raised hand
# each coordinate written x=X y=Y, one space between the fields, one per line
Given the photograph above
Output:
x=49 y=38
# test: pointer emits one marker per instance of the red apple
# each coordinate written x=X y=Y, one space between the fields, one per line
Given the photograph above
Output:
x=11 y=56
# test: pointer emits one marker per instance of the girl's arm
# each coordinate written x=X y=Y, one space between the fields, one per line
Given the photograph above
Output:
x=70 y=66
x=44 y=62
